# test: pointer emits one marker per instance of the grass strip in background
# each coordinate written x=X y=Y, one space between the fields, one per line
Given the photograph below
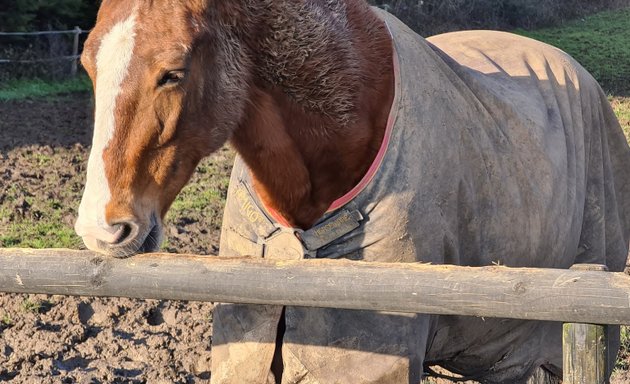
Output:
x=621 y=105
x=47 y=234
x=37 y=88
x=600 y=42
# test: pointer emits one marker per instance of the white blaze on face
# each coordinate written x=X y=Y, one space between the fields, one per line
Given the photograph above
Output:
x=112 y=67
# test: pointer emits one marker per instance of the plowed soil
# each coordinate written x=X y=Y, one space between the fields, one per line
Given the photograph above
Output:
x=43 y=152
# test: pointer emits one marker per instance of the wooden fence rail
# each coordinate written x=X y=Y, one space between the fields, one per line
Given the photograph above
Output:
x=519 y=293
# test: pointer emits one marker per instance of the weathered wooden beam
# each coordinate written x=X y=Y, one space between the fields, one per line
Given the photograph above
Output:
x=520 y=293
x=75 y=52
x=587 y=357
x=585 y=354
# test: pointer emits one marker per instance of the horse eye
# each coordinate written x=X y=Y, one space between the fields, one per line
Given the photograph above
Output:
x=171 y=78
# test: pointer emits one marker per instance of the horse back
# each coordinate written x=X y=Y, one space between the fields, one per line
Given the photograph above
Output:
x=539 y=95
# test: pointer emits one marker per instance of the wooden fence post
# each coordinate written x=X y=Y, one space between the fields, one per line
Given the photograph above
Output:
x=585 y=347
x=75 y=52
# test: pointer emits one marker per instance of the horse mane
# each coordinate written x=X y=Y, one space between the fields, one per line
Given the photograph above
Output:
x=315 y=62
x=313 y=50
x=321 y=71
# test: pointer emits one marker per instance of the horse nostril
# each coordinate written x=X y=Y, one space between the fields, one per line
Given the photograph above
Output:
x=128 y=231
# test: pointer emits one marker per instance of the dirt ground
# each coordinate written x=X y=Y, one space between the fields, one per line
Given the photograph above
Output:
x=43 y=152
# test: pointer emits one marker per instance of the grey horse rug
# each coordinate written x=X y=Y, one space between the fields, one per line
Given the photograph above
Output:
x=501 y=150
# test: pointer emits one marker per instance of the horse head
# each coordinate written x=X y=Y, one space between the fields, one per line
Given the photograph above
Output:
x=175 y=80
x=169 y=80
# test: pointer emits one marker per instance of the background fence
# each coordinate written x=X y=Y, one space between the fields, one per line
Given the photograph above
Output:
x=42 y=54
x=53 y=54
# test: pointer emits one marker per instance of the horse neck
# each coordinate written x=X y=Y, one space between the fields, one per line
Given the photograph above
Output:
x=318 y=106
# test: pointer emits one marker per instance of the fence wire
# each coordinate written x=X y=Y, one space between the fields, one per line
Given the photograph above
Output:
x=49 y=60
x=42 y=33
x=77 y=32
x=41 y=54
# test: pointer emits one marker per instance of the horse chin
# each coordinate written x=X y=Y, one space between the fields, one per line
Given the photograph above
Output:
x=153 y=240
x=146 y=242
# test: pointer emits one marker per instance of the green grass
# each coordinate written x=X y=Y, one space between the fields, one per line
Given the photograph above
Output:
x=194 y=197
x=42 y=227
x=207 y=187
x=36 y=305
x=30 y=306
x=37 y=88
x=50 y=233
x=6 y=320
x=621 y=105
x=623 y=359
x=600 y=43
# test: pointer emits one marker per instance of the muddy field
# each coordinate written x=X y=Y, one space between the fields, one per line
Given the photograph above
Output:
x=43 y=152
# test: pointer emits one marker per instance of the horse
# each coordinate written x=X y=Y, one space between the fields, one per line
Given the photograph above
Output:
x=356 y=139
